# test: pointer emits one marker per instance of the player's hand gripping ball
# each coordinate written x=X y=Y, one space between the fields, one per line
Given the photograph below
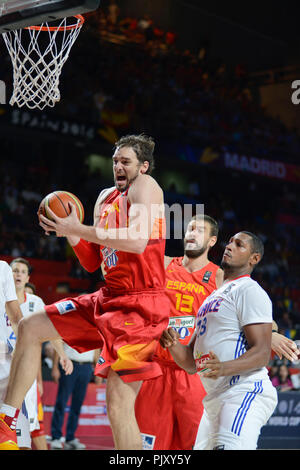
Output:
x=58 y=202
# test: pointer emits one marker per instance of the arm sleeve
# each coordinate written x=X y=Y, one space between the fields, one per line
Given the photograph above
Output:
x=88 y=254
x=9 y=285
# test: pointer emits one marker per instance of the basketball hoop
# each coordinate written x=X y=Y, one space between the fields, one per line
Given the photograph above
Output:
x=38 y=54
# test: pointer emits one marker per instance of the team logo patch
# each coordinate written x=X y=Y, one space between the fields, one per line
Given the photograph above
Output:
x=101 y=360
x=110 y=256
x=228 y=289
x=31 y=306
x=200 y=360
x=65 y=307
x=206 y=276
x=148 y=441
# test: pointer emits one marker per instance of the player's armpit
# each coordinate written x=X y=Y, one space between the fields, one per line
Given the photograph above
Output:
x=146 y=198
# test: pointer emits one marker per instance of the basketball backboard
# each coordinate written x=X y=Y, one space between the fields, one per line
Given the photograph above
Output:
x=18 y=14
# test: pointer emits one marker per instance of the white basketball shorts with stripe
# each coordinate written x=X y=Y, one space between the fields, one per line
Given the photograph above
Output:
x=233 y=420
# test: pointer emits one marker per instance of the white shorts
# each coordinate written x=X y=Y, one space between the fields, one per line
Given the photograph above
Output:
x=23 y=431
x=233 y=419
x=31 y=402
x=22 y=428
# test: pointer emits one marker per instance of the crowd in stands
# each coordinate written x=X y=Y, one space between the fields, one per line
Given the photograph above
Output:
x=135 y=76
x=146 y=84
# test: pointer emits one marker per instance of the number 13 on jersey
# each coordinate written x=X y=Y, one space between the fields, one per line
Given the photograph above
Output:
x=201 y=326
x=184 y=303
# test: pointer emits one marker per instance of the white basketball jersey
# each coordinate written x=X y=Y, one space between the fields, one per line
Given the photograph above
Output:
x=7 y=294
x=32 y=303
x=219 y=328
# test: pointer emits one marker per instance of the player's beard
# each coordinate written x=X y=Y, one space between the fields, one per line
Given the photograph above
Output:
x=129 y=182
x=224 y=265
x=198 y=251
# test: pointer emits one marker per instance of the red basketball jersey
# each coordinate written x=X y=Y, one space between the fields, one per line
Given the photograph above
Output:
x=187 y=291
x=130 y=271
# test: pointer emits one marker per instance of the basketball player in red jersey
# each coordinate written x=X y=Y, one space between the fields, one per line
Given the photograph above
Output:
x=169 y=407
x=126 y=317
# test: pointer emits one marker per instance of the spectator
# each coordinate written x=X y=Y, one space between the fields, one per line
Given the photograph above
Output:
x=113 y=14
x=282 y=380
x=273 y=369
x=285 y=324
x=74 y=385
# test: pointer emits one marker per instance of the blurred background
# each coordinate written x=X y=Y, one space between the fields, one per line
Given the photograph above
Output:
x=212 y=83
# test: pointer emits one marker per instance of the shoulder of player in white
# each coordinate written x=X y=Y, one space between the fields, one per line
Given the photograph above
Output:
x=4 y=265
x=250 y=290
x=33 y=298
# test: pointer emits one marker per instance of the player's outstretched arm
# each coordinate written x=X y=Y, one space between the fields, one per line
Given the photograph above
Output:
x=284 y=347
x=65 y=362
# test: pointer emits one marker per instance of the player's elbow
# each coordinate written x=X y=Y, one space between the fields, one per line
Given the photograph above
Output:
x=14 y=312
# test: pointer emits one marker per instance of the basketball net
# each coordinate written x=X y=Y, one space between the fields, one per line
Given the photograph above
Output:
x=38 y=54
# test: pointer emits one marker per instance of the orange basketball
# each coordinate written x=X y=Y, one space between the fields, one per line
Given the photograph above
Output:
x=58 y=203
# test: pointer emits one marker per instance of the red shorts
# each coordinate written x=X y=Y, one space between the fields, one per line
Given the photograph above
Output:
x=126 y=327
x=169 y=408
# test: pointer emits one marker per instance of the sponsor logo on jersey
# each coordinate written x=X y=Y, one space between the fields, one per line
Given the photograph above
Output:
x=65 y=306
x=228 y=289
x=110 y=256
x=206 y=276
x=148 y=441
x=183 y=325
x=101 y=360
x=31 y=306
x=200 y=360
x=178 y=322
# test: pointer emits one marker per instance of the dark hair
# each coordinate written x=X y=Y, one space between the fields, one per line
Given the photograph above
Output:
x=143 y=147
x=256 y=242
x=32 y=286
x=21 y=260
x=214 y=226
x=288 y=372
